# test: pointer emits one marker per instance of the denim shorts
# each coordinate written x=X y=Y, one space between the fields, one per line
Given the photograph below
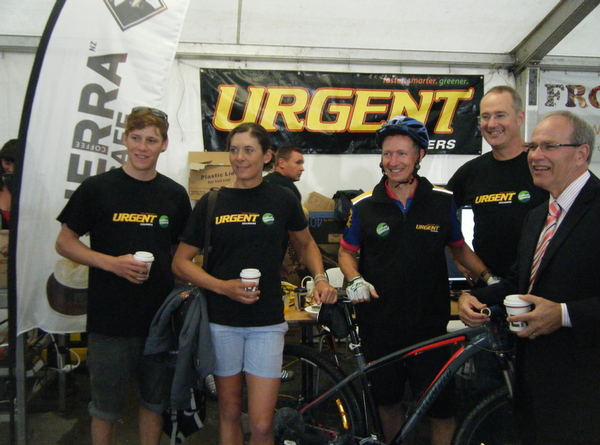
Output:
x=255 y=350
x=112 y=363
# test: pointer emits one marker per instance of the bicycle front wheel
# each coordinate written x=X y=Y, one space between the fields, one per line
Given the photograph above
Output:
x=491 y=422
x=314 y=374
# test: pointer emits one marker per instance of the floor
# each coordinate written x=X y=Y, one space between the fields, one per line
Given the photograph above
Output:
x=47 y=425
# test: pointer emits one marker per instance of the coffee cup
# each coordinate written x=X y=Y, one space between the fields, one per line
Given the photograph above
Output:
x=251 y=278
x=516 y=306
x=147 y=258
x=300 y=294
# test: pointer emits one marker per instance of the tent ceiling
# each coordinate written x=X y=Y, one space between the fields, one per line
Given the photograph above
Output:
x=506 y=34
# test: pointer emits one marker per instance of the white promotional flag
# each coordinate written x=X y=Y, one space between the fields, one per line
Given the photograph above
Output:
x=102 y=59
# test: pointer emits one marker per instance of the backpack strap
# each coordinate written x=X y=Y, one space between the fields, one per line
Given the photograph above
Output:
x=210 y=210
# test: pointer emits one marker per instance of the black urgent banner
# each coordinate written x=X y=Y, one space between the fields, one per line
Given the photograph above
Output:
x=338 y=113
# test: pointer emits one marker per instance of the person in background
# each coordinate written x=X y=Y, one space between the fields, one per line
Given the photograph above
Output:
x=500 y=190
x=289 y=165
x=393 y=255
x=251 y=219
x=129 y=209
x=10 y=153
x=558 y=353
x=498 y=185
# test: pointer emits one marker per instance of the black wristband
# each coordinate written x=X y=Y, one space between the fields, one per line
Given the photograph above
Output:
x=482 y=274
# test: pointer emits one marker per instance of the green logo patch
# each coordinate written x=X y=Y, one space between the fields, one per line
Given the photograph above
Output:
x=383 y=229
x=268 y=219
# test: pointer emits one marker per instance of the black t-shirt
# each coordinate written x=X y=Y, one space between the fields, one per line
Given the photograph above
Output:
x=123 y=215
x=279 y=179
x=501 y=193
x=249 y=226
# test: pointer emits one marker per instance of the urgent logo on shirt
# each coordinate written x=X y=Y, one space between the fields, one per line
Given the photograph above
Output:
x=243 y=218
x=428 y=227
x=501 y=198
x=145 y=219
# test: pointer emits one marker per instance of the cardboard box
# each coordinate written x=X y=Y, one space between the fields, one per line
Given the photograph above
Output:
x=3 y=258
x=327 y=233
x=318 y=203
x=208 y=169
x=324 y=228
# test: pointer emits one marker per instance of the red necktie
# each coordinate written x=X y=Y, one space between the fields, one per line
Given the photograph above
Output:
x=549 y=230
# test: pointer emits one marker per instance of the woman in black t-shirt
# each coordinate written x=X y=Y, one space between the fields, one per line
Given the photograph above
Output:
x=250 y=221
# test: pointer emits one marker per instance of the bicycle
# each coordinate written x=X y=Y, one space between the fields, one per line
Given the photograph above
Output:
x=330 y=407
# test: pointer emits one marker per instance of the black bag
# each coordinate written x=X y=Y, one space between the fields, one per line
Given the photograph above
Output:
x=343 y=203
x=333 y=318
x=179 y=425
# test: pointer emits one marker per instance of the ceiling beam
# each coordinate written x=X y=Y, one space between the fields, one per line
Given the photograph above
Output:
x=550 y=31
x=270 y=53
x=19 y=44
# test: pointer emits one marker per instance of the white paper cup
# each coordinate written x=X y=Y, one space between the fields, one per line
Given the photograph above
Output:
x=516 y=306
x=251 y=277
x=146 y=257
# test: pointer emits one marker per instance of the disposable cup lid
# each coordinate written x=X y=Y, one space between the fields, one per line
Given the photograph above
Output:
x=250 y=273
x=144 y=256
x=514 y=300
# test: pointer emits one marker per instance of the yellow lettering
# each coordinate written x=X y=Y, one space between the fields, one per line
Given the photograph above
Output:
x=291 y=102
x=135 y=217
x=298 y=98
x=318 y=105
x=363 y=107
x=403 y=103
x=428 y=227
x=496 y=197
x=239 y=218
x=227 y=93
x=451 y=99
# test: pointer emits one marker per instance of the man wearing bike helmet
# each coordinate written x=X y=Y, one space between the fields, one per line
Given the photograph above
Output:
x=393 y=255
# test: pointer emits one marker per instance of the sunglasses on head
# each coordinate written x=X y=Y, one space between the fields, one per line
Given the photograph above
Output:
x=154 y=111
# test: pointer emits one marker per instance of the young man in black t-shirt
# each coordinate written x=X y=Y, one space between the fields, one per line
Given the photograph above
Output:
x=133 y=208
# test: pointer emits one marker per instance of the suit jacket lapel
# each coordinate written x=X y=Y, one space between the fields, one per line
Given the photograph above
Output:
x=576 y=212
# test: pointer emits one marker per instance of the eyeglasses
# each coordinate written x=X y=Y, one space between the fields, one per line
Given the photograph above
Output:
x=154 y=111
x=545 y=146
x=498 y=117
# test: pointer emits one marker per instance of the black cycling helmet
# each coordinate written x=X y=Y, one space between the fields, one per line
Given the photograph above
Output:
x=403 y=125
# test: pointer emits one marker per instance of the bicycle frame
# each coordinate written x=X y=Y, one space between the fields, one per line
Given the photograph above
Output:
x=470 y=341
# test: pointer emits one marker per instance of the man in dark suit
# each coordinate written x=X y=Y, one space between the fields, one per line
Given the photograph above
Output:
x=558 y=358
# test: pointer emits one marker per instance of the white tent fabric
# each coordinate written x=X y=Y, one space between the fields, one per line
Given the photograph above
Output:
x=381 y=36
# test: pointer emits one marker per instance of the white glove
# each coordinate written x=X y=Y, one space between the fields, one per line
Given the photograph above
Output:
x=359 y=289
